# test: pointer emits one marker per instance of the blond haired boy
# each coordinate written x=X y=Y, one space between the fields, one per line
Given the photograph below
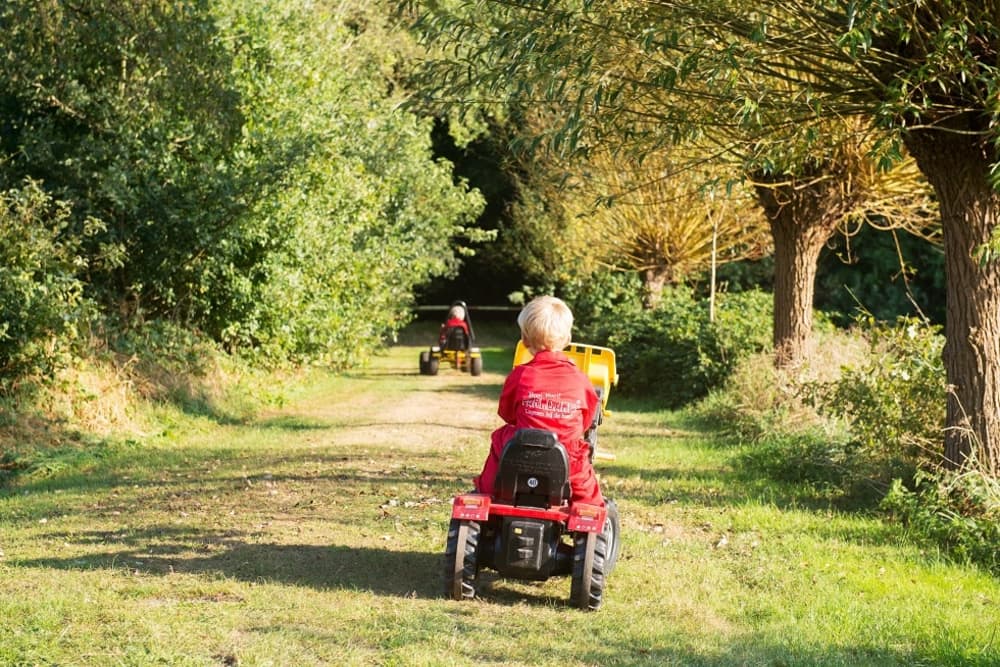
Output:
x=549 y=392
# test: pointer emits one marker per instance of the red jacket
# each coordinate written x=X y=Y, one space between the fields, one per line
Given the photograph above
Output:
x=449 y=323
x=551 y=393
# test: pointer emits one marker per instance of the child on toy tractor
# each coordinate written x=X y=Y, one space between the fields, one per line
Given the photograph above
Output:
x=455 y=345
x=538 y=483
x=549 y=393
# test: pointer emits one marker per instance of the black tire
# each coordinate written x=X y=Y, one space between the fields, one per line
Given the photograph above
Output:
x=460 y=560
x=613 y=536
x=590 y=435
x=425 y=359
x=476 y=366
x=589 y=556
x=432 y=366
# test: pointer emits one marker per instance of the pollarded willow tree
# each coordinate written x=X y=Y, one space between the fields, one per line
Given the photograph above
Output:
x=662 y=217
x=665 y=222
x=630 y=74
x=926 y=75
x=812 y=198
x=920 y=75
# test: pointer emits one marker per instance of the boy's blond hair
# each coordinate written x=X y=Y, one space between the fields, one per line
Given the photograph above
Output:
x=457 y=313
x=546 y=324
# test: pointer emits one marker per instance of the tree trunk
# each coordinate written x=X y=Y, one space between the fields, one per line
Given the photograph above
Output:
x=802 y=219
x=957 y=165
x=654 y=279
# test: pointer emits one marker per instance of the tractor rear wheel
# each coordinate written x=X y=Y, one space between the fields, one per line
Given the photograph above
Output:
x=590 y=552
x=460 y=560
x=432 y=366
x=425 y=361
x=476 y=366
x=612 y=535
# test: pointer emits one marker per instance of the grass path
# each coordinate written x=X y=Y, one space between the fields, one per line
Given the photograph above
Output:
x=313 y=536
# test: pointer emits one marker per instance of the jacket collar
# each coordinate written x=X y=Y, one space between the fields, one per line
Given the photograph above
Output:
x=551 y=355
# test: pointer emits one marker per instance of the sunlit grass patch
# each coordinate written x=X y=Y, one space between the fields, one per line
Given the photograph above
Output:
x=312 y=533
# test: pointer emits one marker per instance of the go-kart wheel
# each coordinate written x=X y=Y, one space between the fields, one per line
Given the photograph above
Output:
x=460 y=560
x=612 y=535
x=589 y=557
x=476 y=366
x=432 y=366
x=425 y=360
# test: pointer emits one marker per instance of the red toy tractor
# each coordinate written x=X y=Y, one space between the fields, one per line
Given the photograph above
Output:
x=528 y=529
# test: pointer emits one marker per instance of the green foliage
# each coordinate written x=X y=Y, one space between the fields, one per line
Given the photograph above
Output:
x=755 y=402
x=675 y=353
x=807 y=457
x=128 y=113
x=873 y=441
x=362 y=214
x=888 y=274
x=894 y=402
x=782 y=437
x=959 y=511
x=880 y=419
x=40 y=295
x=235 y=168
x=599 y=297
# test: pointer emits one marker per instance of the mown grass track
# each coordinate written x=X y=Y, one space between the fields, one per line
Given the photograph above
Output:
x=312 y=535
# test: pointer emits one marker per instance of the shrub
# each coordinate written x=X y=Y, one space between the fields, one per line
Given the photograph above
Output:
x=675 y=353
x=807 y=456
x=960 y=511
x=597 y=298
x=757 y=400
x=894 y=401
x=783 y=437
x=40 y=295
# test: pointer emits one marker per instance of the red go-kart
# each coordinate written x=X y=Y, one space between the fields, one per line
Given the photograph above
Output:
x=520 y=531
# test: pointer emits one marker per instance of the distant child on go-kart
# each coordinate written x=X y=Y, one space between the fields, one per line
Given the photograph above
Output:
x=551 y=393
x=456 y=318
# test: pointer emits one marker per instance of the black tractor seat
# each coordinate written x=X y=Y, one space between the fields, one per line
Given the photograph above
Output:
x=534 y=470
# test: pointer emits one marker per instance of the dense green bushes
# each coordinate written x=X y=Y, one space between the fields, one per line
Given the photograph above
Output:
x=674 y=353
x=894 y=401
x=960 y=511
x=40 y=293
x=239 y=169
x=362 y=214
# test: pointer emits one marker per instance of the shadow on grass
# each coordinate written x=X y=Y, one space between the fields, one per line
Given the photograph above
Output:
x=163 y=551
x=639 y=404
x=292 y=423
x=731 y=486
x=384 y=571
x=183 y=473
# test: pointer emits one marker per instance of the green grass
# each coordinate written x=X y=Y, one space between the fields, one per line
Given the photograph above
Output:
x=312 y=535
